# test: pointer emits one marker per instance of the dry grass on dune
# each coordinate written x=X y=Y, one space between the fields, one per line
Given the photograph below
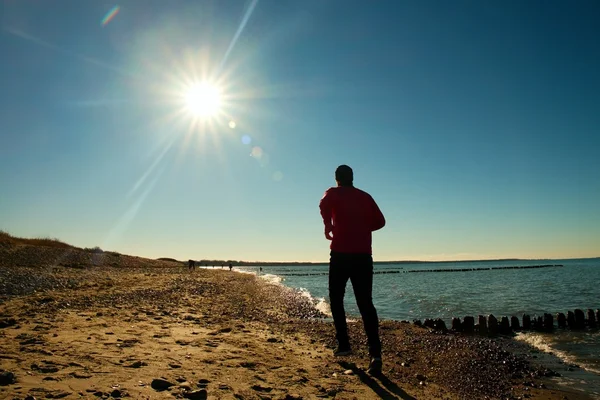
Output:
x=6 y=237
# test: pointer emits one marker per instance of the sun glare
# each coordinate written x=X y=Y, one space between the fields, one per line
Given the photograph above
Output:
x=203 y=99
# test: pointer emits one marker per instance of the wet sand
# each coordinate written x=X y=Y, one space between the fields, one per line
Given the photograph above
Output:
x=76 y=324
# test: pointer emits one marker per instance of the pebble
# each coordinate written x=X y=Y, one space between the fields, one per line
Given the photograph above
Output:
x=136 y=364
x=196 y=394
x=348 y=372
x=160 y=384
x=260 y=388
x=7 y=378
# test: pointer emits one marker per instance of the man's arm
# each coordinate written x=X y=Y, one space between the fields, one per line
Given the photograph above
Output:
x=326 y=212
x=378 y=218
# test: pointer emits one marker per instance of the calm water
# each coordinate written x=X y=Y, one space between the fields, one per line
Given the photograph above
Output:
x=411 y=295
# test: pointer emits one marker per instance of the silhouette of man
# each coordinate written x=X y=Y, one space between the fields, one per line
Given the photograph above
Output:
x=350 y=215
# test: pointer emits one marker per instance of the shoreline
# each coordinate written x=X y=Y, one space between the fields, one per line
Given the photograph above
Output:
x=94 y=330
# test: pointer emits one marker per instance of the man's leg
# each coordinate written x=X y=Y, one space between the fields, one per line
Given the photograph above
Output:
x=362 y=283
x=338 y=277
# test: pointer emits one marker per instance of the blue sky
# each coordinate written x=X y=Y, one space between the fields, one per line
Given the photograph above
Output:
x=474 y=125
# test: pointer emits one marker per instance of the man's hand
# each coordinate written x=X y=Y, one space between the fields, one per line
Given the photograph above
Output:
x=328 y=234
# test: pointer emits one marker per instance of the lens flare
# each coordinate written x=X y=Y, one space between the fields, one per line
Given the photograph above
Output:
x=110 y=15
x=257 y=152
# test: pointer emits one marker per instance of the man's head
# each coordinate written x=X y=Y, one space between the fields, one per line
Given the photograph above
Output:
x=344 y=175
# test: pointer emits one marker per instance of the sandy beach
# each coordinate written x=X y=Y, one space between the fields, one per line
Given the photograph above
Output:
x=85 y=324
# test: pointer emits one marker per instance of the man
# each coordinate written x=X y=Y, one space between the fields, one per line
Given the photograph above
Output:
x=350 y=215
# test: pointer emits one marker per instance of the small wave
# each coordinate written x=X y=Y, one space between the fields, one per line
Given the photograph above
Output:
x=544 y=343
x=319 y=302
x=271 y=278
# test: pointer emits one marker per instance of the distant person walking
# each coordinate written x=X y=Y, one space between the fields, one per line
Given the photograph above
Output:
x=230 y=266
x=350 y=215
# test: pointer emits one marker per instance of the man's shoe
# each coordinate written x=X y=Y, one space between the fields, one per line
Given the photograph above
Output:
x=342 y=351
x=375 y=366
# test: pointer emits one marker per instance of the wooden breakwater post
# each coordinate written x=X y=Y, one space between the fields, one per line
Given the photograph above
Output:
x=456 y=325
x=591 y=317
x=561 y=320
x=468 y=325
x=526 y=322
x=482 y=325
x=504 y=328
x=579 y=319
x=515 y=324
x=492 y=324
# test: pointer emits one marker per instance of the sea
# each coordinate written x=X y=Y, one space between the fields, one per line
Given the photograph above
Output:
x=410 y=291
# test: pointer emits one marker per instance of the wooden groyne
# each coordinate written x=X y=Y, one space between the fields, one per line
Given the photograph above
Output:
x=490 y=325
x=404 y=271
x=485 y=268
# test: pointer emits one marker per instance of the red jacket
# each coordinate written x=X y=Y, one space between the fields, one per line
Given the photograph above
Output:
x=351 y=215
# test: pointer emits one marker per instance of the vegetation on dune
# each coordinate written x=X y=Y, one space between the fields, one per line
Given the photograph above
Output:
x=5 y=237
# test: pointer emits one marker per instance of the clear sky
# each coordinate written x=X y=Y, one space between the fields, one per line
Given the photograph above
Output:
x=475 y=125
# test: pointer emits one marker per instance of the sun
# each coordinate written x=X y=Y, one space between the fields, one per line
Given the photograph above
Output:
x=203 y=99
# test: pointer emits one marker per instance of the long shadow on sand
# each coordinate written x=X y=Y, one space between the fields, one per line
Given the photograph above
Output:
x=386 y=390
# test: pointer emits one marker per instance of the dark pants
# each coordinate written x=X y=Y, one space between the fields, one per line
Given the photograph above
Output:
x=359 y=269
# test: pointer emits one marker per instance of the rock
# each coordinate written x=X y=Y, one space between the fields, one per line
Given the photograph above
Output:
x=561 y=320
x=173 y=365
x=272 y=340
x=7 y=378
x=136 y=364
x=185 y=385
x=160 y=384
x=30 y=397
x=116 y=394
x=180 y=379
x=5 y=323
x=260 y=388
x=421 y=377
x=57 y=394
x=203 y=382
x=80 y=375
x=225 y=330
x=248 y=364
x=417 y=322
x=44 y=368
x=291 y=396
x=196 y=394
x=348 y=372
